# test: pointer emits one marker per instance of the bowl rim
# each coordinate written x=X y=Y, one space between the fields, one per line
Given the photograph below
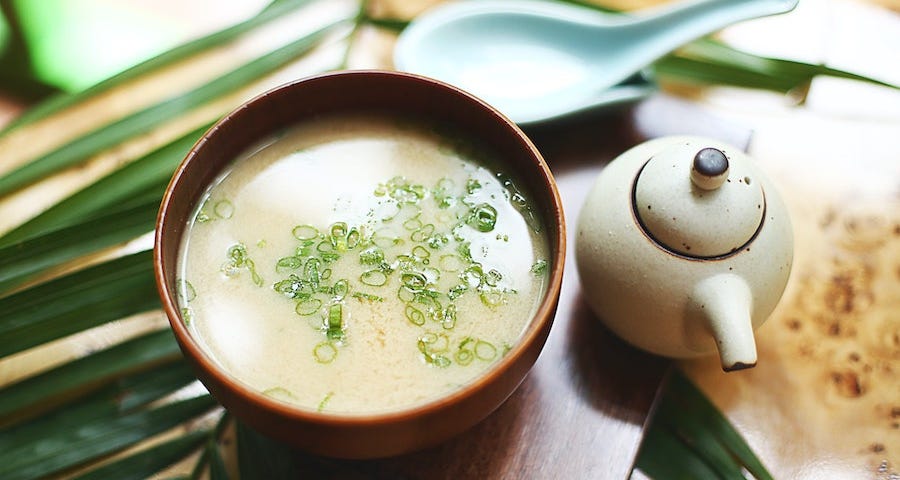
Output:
x=541 y=320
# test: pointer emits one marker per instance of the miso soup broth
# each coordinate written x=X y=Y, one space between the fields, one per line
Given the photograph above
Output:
x=361 y=264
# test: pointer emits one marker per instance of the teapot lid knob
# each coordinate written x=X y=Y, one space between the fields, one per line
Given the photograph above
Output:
x=710 y=169
x=698 y=201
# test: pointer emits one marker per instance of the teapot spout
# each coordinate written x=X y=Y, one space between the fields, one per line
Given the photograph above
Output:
x=725 y=301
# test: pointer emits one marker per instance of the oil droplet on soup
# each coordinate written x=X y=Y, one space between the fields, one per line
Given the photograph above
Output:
x=361 y=264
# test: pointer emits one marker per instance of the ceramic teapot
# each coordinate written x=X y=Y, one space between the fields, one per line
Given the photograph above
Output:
x=683 y=247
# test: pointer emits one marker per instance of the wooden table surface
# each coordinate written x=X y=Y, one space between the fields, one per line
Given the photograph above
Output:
x=824 y=401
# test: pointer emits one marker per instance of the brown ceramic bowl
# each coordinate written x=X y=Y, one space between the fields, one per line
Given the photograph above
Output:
x=383 y=434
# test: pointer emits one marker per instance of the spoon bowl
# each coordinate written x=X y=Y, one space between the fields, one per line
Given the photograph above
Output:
x=538 y=61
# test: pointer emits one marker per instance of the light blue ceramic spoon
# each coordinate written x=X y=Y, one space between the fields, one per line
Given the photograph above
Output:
x=538 y=61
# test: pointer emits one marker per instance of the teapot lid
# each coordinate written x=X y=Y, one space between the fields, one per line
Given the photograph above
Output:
x=699 y=201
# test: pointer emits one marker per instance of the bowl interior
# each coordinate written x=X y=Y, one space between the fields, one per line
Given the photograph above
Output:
x=352 y=92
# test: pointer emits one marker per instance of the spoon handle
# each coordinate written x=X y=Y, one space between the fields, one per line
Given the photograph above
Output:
x=655 y=34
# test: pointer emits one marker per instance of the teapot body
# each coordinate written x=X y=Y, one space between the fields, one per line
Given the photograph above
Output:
x=652 y=296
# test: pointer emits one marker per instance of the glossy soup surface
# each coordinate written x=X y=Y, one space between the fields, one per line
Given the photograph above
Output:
x=360 y=265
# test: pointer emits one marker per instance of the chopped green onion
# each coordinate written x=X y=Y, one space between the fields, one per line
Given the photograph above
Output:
x=473 y=275
x=436 y=242
x=373 y=278
x=353 y=238
x=367 y=296
x=493 y=277
x=485 y=351
x=421 y=253
x=335 y=322
x=414 y=223
x=373 y=255
x=440 y=361
x=387 y=211
x=329 y=257
x=539 y=267
x=338 y=232
x=185 y=290
x=427 y=345
x=187 y=315
x=405 y=294
x=415 y=281
x=305 y=249
x=456 y=291
x=415 y=315
x=483 y=217
x=237 y=259
x=288 y=286
x=472 y=186
x=384 y=241
x=448 y=317
x=426 y=339
x=422 y=233
x=492 y=298
x=340 y=289
x=224 y=209
x=432 y=275
x=464 y=251
x=445 y=183
x=463 y=357
x=280 y=393
x=308 y=307
x=325 y=352
x=257 y=279
x=238 y=254
x=305 y=232
x=324 y=401
x=311 y=272
x=290 y=263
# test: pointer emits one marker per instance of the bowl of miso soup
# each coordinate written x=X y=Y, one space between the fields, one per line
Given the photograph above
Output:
x=361 y=264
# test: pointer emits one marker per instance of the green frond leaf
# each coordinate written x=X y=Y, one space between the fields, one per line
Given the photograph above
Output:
x=23 y=261
x=60 y=102
x=149 y=174
x=689 y=438
x=76 y=302
x=145 y=120
x=122 y=396
x=145 y=463
x=80 y=377
x=71 y=447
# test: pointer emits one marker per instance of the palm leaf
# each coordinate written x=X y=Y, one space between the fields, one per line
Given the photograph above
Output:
x=75 y=302
x=60 y=102
x=689 y=438
x=97 y=438
x=144 y=464
x=708 y=61
x=125 y=394
x=24 y=260
x=149 y=174
x=693 y=407
x=140 y=122
x=108 y=420
x=664 y=456
x=79 y=377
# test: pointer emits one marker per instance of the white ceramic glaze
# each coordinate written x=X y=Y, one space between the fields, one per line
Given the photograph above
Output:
x=682 y=262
